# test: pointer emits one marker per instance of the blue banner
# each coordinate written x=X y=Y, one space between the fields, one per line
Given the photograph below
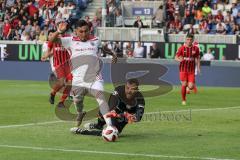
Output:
x=142 y=11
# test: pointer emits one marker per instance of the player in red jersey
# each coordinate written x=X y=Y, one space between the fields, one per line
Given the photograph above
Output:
x=61 y=68
x=195 y=43
x=188 y=55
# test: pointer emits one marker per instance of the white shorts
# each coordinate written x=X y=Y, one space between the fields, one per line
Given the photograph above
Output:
x=95 y=89
x=79 y=90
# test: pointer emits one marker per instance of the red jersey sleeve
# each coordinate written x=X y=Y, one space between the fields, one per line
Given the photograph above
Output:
x=50 y=45
x=180 y=51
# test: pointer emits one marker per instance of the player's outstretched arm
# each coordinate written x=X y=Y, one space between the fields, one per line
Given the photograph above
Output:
x=62 y=27
x=140 y=108
x=139 y=113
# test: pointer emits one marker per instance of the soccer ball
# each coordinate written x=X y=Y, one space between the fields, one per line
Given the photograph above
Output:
x=110 y=134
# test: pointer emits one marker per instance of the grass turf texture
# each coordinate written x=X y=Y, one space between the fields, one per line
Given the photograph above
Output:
x=209 y=133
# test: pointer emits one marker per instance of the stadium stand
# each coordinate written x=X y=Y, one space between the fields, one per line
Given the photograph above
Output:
x=33 y=19
x=203 y=17
x=29 y=18
x=216 y=21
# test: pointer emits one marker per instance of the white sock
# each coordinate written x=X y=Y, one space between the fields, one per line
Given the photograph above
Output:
x=107 y=120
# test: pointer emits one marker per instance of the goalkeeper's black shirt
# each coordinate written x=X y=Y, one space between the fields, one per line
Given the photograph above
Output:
x=119 y=102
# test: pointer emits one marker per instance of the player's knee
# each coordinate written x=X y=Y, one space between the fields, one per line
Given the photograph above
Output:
x=184 y=83
x=61 y=82
x=77 y=101
x=190 y=86
x=68 y=83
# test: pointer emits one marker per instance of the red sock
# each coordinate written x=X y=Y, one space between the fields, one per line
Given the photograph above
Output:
x=65 y=93
x=184 y=93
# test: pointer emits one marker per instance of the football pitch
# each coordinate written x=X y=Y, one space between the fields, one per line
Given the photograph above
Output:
x=208 y=128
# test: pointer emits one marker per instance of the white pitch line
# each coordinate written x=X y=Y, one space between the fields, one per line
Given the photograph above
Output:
x=30 y=124
x=53 y=122
x=195 y=110
x=111 y=153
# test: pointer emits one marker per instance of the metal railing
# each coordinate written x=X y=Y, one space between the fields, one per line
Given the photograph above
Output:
x=147 y=35
x=19 y=42
x=157 y=35
x=118 y=34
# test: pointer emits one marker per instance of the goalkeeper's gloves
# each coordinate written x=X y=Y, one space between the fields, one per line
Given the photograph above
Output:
x=112 y=114
x=130 y=117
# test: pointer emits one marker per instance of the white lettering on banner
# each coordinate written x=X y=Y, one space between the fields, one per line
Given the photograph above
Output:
x=148 y=45
x=138 y=12
x=3 y=51
x=239 y=51
x=147 y=11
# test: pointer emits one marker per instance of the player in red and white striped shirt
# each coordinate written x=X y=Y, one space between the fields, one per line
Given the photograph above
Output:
x=188 y=55
x=61 y=67
x=195 y=43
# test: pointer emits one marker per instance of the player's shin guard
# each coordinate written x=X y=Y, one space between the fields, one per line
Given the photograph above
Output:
x=184 y=88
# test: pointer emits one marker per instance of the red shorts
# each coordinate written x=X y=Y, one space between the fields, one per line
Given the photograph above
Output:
x=63 y=71
x=188 y=77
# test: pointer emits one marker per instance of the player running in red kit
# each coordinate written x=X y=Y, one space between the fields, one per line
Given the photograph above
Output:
x=195 y=43
x=188 y=55
x=62 y=70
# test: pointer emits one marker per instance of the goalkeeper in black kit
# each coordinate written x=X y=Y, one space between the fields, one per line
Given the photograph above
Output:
x=127 y=106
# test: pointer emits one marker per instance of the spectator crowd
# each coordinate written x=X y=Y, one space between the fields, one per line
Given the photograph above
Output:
x=203 y=16
x=30 y=20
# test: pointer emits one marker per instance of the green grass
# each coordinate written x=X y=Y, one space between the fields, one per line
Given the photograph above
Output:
x=209 y=133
